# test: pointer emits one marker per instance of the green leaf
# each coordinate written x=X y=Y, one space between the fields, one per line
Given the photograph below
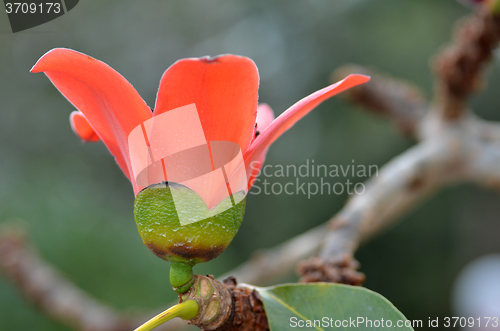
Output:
x=324 y=306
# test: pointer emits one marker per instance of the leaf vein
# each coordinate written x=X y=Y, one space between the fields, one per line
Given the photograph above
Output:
x=292 y=309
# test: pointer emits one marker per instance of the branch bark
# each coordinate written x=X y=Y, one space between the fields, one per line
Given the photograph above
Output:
x=46 y=288
x=454 y=146
x=268 y=266
x=396 y=99
x=51 y=292
x=459 y=66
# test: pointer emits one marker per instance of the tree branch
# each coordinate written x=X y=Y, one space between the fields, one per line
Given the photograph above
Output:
x=393 y=98
x=43 y=286
x=455 y=146
x=459 y=66
x=402 y=184
x=268 y=266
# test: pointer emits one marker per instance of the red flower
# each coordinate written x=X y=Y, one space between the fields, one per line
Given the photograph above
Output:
x=224 y=89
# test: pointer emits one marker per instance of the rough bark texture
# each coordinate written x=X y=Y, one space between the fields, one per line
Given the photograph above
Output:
x=393 y=98
x=226 y=306
x=460 y=65
x=342 y=271
x=50 y=291
x=248 y=309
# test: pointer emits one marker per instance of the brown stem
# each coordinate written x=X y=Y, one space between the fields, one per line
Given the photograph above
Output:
x=271 y=265
x=393 y=98
x=342 y=270
x=45 y=287
x=52 y=292
x=231 y=307
x=459 y=66
x=454 y=146
x=225 y=306
x=401 y=185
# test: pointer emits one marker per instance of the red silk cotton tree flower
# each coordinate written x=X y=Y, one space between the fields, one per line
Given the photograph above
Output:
x=224 y=91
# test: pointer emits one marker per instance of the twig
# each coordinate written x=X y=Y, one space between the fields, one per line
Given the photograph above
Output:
x=45 y=287
x=268 y=266
x=454 y=146
x=395 y=99
x=459 y=67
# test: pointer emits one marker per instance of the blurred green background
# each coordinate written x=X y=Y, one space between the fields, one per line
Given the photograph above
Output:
x=78 y=206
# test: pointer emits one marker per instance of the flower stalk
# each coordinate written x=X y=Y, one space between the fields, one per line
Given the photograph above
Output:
x=212 y=305
x=181 y=276
x=185 y=310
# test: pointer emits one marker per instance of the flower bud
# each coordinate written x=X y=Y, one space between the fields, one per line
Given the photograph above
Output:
x=162 y=232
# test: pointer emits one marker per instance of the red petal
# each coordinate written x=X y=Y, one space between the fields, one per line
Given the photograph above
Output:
x=265 y=116
x=82 y=128
x=108 y=101
x=224 y=89
x=295 y=113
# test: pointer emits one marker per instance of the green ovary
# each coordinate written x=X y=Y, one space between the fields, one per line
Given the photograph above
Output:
x=158 y=223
